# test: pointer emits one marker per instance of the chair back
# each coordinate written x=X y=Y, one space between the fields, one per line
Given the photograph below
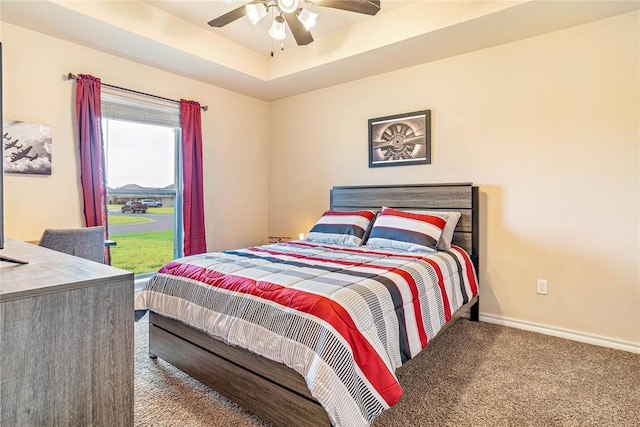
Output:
x=86 y=242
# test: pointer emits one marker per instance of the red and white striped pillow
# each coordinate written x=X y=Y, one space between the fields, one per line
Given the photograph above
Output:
x=341 y=228
x=447 y=233
x=396 y=229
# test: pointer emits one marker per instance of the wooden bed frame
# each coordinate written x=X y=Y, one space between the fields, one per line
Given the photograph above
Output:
x=271 y=390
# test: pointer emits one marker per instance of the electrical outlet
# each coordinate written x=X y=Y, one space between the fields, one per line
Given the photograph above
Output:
x=541 y=286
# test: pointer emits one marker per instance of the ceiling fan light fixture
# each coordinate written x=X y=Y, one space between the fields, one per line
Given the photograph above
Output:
x=292 y=14
x=306 y=18
x=288 y=6
x=255 y=12
x=277 y=30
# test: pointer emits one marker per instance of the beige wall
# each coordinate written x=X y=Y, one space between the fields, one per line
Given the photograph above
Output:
x=547 y=127
x=235 y=155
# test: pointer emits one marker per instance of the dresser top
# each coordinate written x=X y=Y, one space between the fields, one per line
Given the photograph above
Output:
x=48 y=271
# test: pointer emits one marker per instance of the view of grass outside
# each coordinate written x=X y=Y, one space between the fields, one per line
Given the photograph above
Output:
x=117 y=220
x=138 y=250
x=142 y=252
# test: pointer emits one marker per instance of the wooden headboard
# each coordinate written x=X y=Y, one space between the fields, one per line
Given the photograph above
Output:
x=461 y=197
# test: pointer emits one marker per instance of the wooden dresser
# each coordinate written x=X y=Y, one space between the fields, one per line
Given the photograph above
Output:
x=66 y=343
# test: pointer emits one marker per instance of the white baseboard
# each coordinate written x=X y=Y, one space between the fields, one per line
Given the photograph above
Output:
x=562 y=333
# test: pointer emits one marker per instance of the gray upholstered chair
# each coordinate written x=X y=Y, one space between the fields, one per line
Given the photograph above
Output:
x=82 y=242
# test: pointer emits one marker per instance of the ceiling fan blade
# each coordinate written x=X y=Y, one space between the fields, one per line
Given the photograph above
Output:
x=368 y=7
x=300 y=33
x=229 y=17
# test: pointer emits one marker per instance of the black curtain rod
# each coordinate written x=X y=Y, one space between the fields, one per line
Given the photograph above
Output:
x=72 y=76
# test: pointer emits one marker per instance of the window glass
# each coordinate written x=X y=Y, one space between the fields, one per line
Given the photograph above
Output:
x=142 y=197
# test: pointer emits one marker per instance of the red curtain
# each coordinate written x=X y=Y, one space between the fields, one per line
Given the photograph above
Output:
x=92 y=175
x=193 y=207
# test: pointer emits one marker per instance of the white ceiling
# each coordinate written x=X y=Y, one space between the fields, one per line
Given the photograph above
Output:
x=174 y=36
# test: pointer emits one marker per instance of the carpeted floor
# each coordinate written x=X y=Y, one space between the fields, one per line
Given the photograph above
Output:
x=475 y=374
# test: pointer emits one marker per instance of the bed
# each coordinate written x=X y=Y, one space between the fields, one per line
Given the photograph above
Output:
x=306 y=385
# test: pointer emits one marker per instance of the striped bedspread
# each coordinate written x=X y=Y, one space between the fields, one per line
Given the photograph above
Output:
x=344 y=318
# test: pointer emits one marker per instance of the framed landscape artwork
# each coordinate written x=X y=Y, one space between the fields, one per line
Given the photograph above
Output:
x=403 y=139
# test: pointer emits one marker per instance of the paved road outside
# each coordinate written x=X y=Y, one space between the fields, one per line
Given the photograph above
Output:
x=159 y=222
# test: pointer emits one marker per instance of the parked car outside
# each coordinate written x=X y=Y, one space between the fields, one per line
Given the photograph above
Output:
x=134 y=207
x=152 y=203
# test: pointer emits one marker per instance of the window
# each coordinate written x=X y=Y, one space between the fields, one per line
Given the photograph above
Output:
x=142 y=147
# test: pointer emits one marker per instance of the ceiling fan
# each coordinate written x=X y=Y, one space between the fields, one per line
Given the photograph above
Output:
x=298 y=19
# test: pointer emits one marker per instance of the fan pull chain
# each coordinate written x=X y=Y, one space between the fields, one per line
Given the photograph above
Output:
x=272 y=39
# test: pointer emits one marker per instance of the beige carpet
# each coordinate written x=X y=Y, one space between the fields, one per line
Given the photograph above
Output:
x=475 y=374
